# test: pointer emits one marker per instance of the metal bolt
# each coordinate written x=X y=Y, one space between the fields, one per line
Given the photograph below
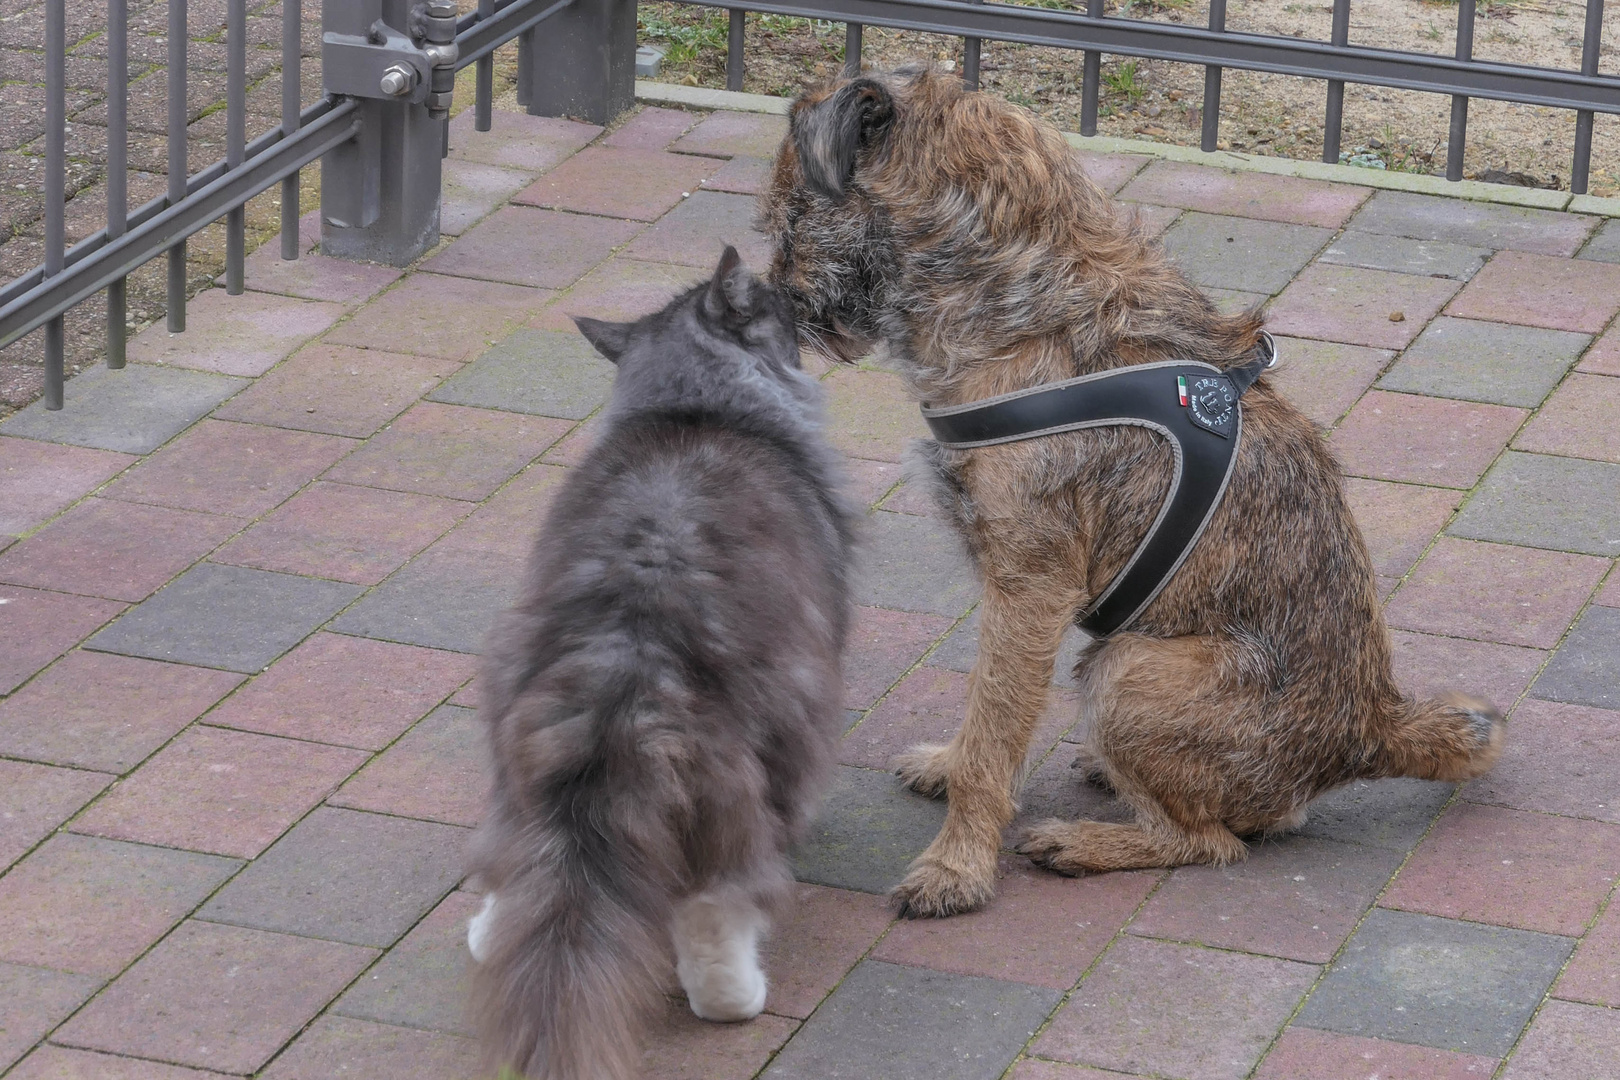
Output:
x=397 y=80
x=441 y=9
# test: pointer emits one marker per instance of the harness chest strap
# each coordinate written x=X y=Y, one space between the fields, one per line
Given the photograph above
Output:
x=1194 y=405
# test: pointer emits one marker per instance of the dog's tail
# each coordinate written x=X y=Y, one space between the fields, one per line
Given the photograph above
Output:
x=1454 y=738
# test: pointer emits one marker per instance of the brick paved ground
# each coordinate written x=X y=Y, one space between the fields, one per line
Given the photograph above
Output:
x=243 y=582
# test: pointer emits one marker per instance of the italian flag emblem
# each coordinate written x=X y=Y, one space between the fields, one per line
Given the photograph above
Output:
x=1181 y=389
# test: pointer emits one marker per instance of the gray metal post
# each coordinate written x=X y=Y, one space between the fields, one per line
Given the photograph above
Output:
x=582 y=63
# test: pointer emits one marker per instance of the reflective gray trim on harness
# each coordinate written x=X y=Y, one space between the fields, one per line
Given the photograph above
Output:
x=1194 y=405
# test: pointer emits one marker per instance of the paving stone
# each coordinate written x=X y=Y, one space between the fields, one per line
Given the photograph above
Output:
x=1110 y=171
x=1398 y=521
x=735 y=134
x=220 y=997
x=1566 y=1039
x=39 y=480
x=36 y=1001
x=1041 y=929
x=913 y=564
x=1485 y=361
x=1403 y=255
x=621 y=289
x=357 y=1050
x=742 y=175
x=1152 y=1006
x=1428 y=666
x=106 y=712
x=345 y=690
x=240 y=470
x=1603 y=358
x=1535 y=290
x=134 y=410
x=1423 y=440
x=1464 y=221
x=698 y=230
x=1388 y=814
x=1543 y=501
x=34 y=800
x=518 y=141
x=524 y=246
x=868 y=831
x=1604 y=245
x=1303 y=1054
x=616 y=182
x=1056 y=790
x=60 y=1063
x=1593 y=975
x=576 y=445
x=543 y=372
x=226 y=792
x=927 y=707
x=1586 y=668
x=469 y=190
x=1245 y=194
x=1153 y=220
x=1036 y=1069
x=1496 y=592
x=904 y=1022
x=235 y=335
x=1510 y=868
x=445 y=599
x=871 y=413
x=91 y=906
x=1235 y=301
x=683 y=1047
x=652 y=129
x=507 y=522
x=1560 y=759
x=810 y=949
x=1324 y=378
x=423 y=981
x=346 y=876
x=1347 y=303
x=337 y=390
x=40 y=626
x=227 y=617
x=1241 y=253
x=1609 y=595
x=1576 y=421
x=435 y=773
x=883 y=645
x=309 y=277
x=438 y=315
x=961 y=648
x=1297 y=898
x=113 y=549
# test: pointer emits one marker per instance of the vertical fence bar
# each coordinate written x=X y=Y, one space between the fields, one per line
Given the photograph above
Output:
x=525 y=92
x=292 y=51
x=55 y=184
x=1333 y=122
x=852 y=49
x=1459 y=103
x=236 y=137
x=1590 y=46
x=117 y=166
x=176 y=76
x=1212 y=82
x=1090 y=78
x=484 y=95
x=734 y=49
x=971 y=47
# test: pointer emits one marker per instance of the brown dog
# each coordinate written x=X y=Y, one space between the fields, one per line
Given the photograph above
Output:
x=961 y=236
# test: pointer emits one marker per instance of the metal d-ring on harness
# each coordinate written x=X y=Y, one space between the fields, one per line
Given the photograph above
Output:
x=1193 y=405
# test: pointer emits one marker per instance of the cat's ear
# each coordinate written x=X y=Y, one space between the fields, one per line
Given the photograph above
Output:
x=731 y=288
x=830 y=134
x=610 y=338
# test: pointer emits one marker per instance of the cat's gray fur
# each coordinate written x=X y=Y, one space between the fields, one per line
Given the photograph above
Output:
x=663 y=702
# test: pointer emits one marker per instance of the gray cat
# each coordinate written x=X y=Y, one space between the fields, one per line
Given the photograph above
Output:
x=663 y=702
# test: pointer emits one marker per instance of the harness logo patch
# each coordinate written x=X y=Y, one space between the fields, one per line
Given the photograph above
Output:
x=1213 y=403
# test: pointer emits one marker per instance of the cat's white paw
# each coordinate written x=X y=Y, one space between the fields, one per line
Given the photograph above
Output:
x=717 y=958
x=479 y=928
x=726 y=993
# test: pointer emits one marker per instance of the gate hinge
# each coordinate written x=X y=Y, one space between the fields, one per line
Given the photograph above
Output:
x=418 y=66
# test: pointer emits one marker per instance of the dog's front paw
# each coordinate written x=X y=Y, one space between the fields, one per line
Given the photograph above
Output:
x=925 y=769
x=933 y=890
x=1050 y=844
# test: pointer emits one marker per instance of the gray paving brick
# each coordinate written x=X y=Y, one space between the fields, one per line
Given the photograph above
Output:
x=227 y=617
x=1604 y=246
x=347 y=876
x=1485 y=361
x=887 y=1022
x=542 y=372
x=1437 y=982
x=869 y=830
x=1378 y=813
x=1235 y=301
x=961 y=647
x=1404 y=255
x=1479 y=224
x=1242 y=253
x=1566 y=504
x=913 y=564
x=135 y=410
x=1586 y=668
x=421 y=982
x=445 y=599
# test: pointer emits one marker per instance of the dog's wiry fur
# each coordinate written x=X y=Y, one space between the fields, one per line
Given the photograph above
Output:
x=961 y=237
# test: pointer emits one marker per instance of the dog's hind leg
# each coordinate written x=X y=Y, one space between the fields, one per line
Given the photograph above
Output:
x=1094 y=847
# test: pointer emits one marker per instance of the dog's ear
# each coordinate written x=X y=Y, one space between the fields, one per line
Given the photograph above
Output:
x=610 y=338
x=830 y=134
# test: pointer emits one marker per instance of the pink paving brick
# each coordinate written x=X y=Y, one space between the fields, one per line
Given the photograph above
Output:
x=517 y=140
x=469 y=190
x=872 y=414
x=1254 y=195
x=360 y=1050
x=1398 y=521
x=1428 y=665
x=1496 y=592
x=619 y=289
x=225 y=468
x=1303 y=1054
x=36 y=1001
x=822 y=936
x=740 y=176
x=1036 y=1069
x=1324 y=378
x=1609 y=595
x=1110 y=171
x=1423 y=440
x=870 y=481
x=338 y=390
x=735 y=134
x=61 y=1063
x=524 y=246
x=686 y=1048
x=1593 y=975
x=314 y=277
x=235 y=335
x=451 y=451
x=1040 y=929
x=1155 y=1007
x=92 y=906
x=218 y=997
x=1577 y=421
x=572 y=449
x=343 y=532
x=621 y=183
x=697 y=231
x=1298 y=899
x=225 y=792
x=1350 y=304
x=1539 y=290
x=40 y=479
x=106 y=711
x=927 y=707
x=35 y=799
x=1559 y=759
x=1510 y=868
x=435 y=772
x=509 y=520
x=883 y=644
x=1603 y=358
x=114 y=549
x=651 y=129
x=37 y=627
x=452 y=318
x=1154 y=219
x=1568 y=1040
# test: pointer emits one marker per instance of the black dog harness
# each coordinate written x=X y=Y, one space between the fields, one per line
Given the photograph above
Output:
x=1194 y=405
